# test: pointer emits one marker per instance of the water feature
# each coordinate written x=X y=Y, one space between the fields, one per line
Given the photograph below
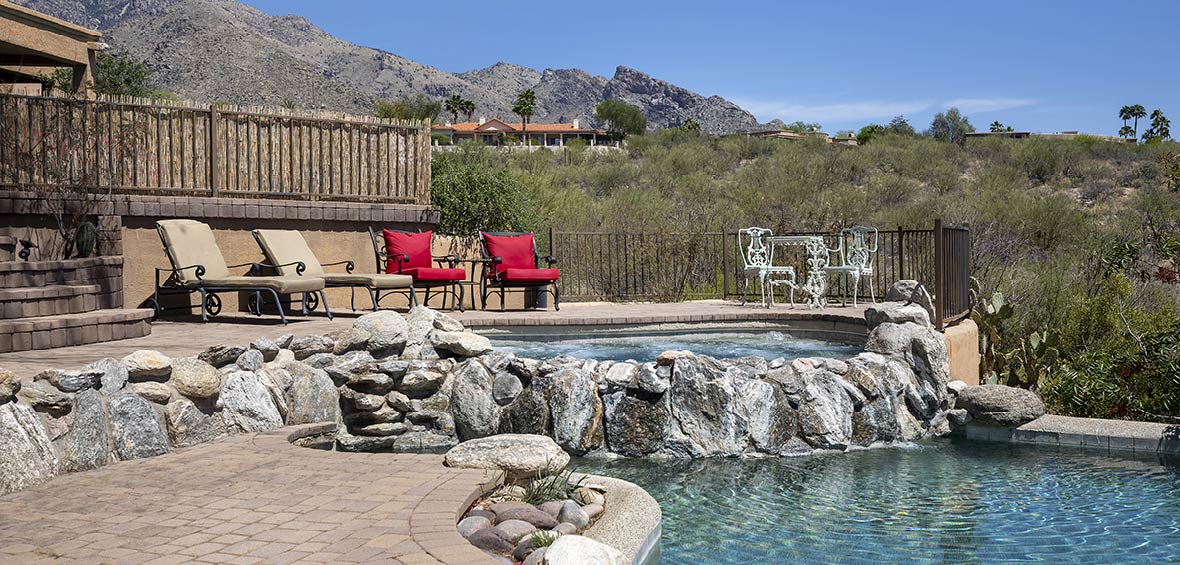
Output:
x=726 y=344
x=949 y=500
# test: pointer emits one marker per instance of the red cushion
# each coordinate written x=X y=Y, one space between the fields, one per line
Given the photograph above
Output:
x=515 y=250
x=530 y=275
x=436 y=274
x=416 y=245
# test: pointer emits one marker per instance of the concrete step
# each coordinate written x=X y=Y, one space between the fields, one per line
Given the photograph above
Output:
x=47 y=332
x=51 y=300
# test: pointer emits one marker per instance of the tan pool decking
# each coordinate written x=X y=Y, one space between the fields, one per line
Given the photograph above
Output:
x=178 y=337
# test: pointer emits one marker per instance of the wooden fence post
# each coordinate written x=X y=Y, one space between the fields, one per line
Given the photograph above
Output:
x=214 y=169
x=939 y=277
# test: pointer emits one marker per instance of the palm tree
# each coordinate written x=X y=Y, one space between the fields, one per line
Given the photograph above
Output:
x=468 y=109
x=525 y=107
x=1124 y=115
x=1127 y=132
x=1138 y=111
x=1161 y=126
x=454 y=105
x=996 y=126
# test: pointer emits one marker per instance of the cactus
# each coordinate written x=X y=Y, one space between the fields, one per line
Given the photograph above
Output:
x=85 y=239
x=1033 y=360
x=990 y=314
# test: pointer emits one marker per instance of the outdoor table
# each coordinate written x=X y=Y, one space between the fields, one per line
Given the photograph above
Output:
x=475 y=276
x=816 y=285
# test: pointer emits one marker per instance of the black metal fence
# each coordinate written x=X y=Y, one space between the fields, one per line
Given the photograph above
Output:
x=683 y=266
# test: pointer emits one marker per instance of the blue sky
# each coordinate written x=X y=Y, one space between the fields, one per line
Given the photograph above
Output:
x=1033 y=64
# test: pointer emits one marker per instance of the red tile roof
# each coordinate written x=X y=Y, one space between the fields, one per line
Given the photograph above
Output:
x=495 y=126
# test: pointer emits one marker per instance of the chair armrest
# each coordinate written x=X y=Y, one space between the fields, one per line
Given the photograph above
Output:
x=551 y=260
x=199 y=272
x=348 y=265
x=441 y=259
x=256 y=268
x=400 y=258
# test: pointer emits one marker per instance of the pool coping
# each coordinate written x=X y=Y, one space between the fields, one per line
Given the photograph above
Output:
x=632 y=522
x=1089 y=433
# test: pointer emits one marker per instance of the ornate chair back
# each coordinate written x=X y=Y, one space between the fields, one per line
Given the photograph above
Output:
x=858 y=246
x=756 y=254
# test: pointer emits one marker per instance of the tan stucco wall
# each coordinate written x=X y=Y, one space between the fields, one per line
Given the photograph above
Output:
x=962 y=342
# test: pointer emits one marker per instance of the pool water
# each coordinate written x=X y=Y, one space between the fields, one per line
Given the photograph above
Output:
x=720 y=345
x=949 y=501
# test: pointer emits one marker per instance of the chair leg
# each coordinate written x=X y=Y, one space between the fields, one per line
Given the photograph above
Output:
x=501 y=297
x=372 y=296
x=279 y=305
x=872 y=291
x=483 y=297
x=324 y=301
x=413 y=297
x=204 y=312
x=556 y=298
x=352 y=297
x=303 y=304
x=460 y=298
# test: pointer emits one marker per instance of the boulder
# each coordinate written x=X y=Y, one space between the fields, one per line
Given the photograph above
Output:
x=576 y=410
x=307 y=345
x=529 y=411
x=878 y=421
x=475 y=411
x=398 y=401
x=464 y=344
x=653 y=378
x=354 y=362
x=421 y=382
x=361 y=402
x=145 y=364
x=383 y=415
x=771 y=419
x=192 y=424
x=491 y=539
x=825 y=411
x=277 y=383
x=135 y=429
x=999 y=405
x=195 y=378
x=26 y=456
x=152 y=391
x=505 y=388
x=348 y=339
x=222 y=355
x=44 y=397
x=621 y=375
x=445 y=323
x=422 y=442
x=420 y=324
x=581 y=550
x=72 y=381
x=114 y=375
x=635 y=426
x=911 y=291
x=706 y=421
x=9 y=386
x=365 y=444
x=267 y=347
x=370 y=383
x=312 y=396
x=250 y=360
x=895 y=313
x=520 y=456
x=246 y=403
x=924 y=350
x=86 y=446
x=387 y=330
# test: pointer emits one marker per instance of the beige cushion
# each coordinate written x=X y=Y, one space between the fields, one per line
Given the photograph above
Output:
x=188 y=243
x=369 y=280
x=281 y=285
x=288 y=246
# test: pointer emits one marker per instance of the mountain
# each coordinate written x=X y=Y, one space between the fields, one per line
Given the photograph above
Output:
x=226 y=51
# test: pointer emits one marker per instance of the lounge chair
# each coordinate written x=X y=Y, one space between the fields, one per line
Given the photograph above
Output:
x=512 y=262
x=198 y=266
x=409 y=253
x=288 y=249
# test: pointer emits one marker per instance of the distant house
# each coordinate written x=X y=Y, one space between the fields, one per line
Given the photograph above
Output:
x=815 y=134
x=33 y=44
x=496 y=132
x=1058 y=135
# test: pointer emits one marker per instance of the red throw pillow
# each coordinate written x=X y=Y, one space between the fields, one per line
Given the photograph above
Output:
x=515 y=250
x=416 y=245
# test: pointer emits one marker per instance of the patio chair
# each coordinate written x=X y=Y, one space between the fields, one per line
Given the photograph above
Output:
x=198 y=266
x=512 y=262
x=409 y=253
x=856 y=251
x=288 y=249
x=757 y=262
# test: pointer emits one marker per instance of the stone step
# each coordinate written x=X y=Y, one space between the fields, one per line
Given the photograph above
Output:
x=47 y=332
x=52 y=300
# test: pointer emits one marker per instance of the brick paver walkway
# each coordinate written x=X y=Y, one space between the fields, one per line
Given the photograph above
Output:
x=247 y=499
x=180 y=338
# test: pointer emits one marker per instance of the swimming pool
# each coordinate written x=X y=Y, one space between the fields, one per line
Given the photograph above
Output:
x=721 y=344
x=949 y=500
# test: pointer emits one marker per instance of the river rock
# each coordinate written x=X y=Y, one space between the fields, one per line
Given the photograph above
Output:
x=593 y=509
x=706 y=421
x=71 y=381
x=114 y=375
x=472 y=524
x=571 y=513
x=465 y=344
x=195 y=378
x=895 y=313
x=247 y=404
x=911 y=291
x=9 y=386
x=999 y=405
x=635 y=426
x=145 y=364
x=825 y=411
x=135 y=429
x=520 y=456
x=581 y=550
x=387 y=330
x=221 y=355
x=152 y=391
x=491 y=539
x=192 y=424
x=250 y=360
x=515 y=529
x=307 y=345
x=46 y=398
x=312 y=397
x=86 y=445
x=539 y=519
x=26 y=455
x=475 y=411
x=505 y=388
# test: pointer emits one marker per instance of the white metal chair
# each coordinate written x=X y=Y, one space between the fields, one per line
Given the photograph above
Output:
x=757 y=262
x=856 y=250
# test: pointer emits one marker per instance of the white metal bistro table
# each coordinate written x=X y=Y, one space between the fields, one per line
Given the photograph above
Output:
x=816 y=285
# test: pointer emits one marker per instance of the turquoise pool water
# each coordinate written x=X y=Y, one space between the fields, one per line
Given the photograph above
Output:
x=720 y=345
x=948 y=501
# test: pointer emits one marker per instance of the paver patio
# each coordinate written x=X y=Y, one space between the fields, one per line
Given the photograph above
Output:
x=187 y=336
x=252 y=498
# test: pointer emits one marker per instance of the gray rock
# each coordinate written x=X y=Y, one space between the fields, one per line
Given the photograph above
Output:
x=593 y=509
x=515 y=529
x=384 y=415
x=878 y=421
x=267 y=347
x=26 y=455
x=669 y=357
x=308 y=345
x=135 y=429
x=466 y=344
x=706 y=421
x=420 y=324
x=45 y=397
x=277 y=383
x=911 y=291
x=387 y=330
x=247 y=404
x=580 y=550
x=529 y=412
x=421 y=383
x=999 y=405
x=284 y=341
x=472 y=524
x=956 y=387
x=384 y=429
x=312 y=397
x=520 y=456
x=552 y=508
x=537 y=557
x=72 y=381
x=366 y=444
x=576 y=410
x=348 y=339
x=771 y=419
x=825 y=411
x=114 y=375
x=360 y=401
x=86 y=446
x=195 y=378
x=398 y=401
x=621 y=375
x=895 y=313
x=221 y=355
x=525 y=546
x=422 y=441
x=250 y=360
x=145 y=364
x=635 y=426
x=193 y=424
x=652 y=378
x=491 y=539
x=9 y=386
x=446 y=323
x=152 y=391
x=505 y=388
x=395 y=369
x=564 y=528
x=475 y=411
x=530 y=514
x=571 y=513
x=924 y=350
x=320 y=360
x=284 y=356
x=958 y=417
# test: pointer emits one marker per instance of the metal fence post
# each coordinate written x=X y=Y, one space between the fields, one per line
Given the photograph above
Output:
x=939 y=277
x=724 y=265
